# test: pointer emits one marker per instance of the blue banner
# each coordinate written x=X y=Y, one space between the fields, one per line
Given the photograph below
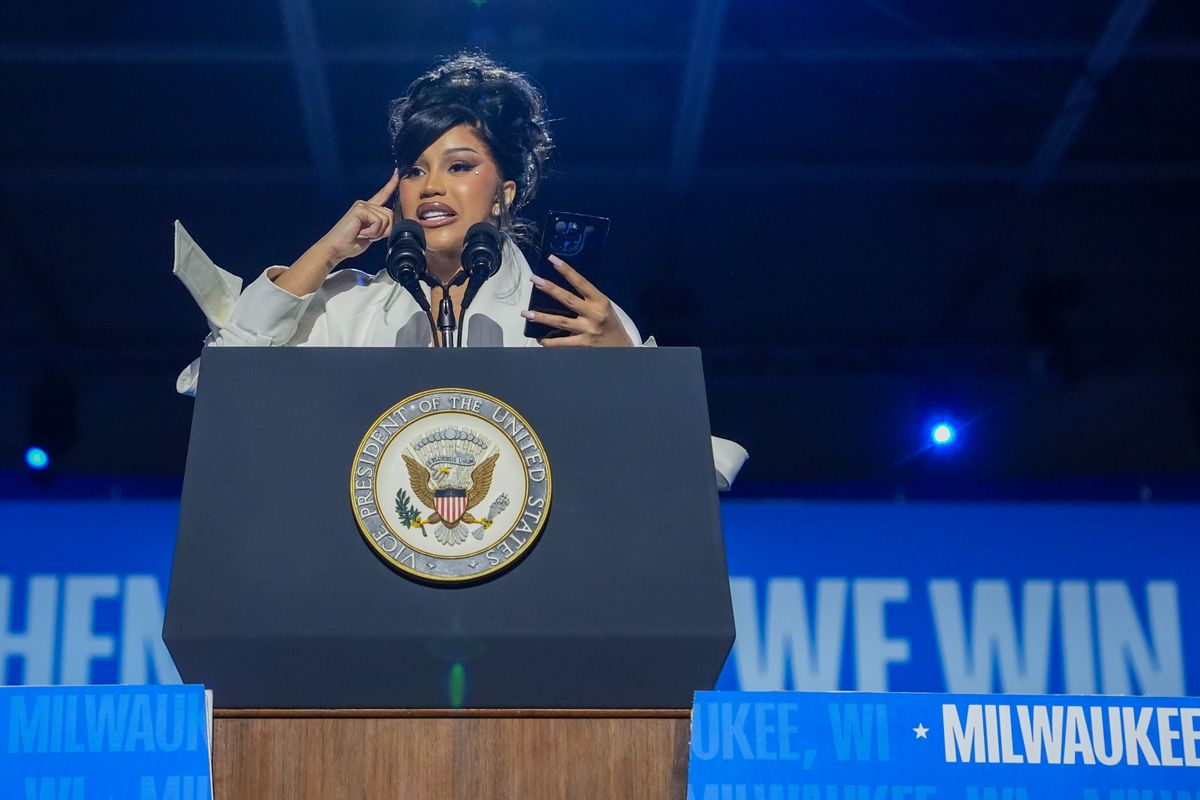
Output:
x=82 y=592
x=852 y=746
x=972 y=598
x=73 y=743
x=969 y=598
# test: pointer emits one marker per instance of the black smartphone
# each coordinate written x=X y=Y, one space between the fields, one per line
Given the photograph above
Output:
x=578 y=240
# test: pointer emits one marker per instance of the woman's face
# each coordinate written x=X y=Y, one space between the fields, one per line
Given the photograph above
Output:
x=451 y=186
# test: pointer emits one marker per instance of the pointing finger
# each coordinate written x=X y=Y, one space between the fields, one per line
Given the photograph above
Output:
x=383 y=195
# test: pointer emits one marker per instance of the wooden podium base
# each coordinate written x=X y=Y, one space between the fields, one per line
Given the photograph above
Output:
x=406 y=754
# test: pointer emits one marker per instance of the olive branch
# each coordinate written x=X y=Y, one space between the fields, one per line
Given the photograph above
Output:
x=408 y=513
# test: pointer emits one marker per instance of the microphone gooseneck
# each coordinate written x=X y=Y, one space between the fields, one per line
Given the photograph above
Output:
x=446 y=324
x=445 y=321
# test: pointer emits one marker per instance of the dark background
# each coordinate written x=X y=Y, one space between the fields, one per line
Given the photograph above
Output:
x=869 y=215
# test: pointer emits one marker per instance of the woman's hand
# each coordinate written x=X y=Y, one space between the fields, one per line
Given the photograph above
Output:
x=365 y=223
x=597 y=325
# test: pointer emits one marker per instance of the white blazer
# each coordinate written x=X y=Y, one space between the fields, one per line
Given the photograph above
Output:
x=348 y=310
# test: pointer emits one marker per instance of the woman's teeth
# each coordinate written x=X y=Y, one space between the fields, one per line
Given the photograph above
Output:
x=434 y=219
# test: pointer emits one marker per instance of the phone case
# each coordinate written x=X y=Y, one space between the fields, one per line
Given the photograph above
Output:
x=577 y=239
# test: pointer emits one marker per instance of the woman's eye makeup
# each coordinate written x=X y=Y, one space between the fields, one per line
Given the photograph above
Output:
x=456 y=167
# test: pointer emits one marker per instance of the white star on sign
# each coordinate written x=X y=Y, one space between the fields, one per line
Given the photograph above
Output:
x=921 y=730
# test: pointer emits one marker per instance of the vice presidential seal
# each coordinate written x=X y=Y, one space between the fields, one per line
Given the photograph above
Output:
x=450 y=485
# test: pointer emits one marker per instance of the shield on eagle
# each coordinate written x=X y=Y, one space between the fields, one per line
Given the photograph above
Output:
x=450 y=505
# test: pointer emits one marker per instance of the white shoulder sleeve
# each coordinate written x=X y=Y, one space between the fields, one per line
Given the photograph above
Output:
x=264 y=315
x=628 y=324
x=213 y=289
x=728 y=458
x=261 y=315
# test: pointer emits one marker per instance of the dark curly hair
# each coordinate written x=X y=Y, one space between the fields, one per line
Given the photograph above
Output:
x=503 y=106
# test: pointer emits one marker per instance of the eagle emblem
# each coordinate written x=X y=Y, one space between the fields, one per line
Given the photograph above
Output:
x=449 y=474
x=469 y=480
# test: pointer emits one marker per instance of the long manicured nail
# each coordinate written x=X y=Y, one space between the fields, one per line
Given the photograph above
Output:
x=556 y=261
x=538 y=281
x=527 y=314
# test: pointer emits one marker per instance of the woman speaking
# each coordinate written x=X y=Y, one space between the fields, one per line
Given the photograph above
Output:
x=470 y=143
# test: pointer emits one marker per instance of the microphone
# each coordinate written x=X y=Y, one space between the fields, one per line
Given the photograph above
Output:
x=480 y=257
x=406 y=259
x=406 y=264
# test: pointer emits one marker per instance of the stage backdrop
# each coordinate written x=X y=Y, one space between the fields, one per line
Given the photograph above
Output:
x=876 y=597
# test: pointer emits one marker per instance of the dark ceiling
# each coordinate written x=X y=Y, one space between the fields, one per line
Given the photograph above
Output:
x=867 y=213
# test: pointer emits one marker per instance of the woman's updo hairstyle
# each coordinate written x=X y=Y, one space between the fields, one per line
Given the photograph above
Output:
x=502 y=105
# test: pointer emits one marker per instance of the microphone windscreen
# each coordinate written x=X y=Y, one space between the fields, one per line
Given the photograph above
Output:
x=406 y=252
x=484 y=229
x=481 y=249
x=407 y=228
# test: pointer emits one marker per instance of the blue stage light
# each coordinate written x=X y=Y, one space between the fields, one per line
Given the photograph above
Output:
x=37 y=458
x=942 y=434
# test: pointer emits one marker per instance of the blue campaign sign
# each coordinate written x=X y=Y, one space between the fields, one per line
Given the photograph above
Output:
x=1024 y=598
x=82 y=591
x=83 y=742
x=852 y=746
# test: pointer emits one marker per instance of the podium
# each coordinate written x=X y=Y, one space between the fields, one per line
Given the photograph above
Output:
x=439 y=755
x=277 y=603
